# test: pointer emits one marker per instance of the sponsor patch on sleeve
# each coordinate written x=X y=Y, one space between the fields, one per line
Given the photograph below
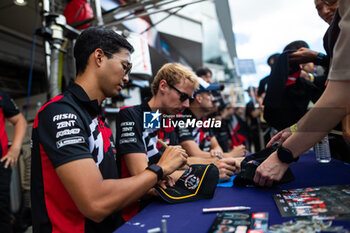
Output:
x=70 y=141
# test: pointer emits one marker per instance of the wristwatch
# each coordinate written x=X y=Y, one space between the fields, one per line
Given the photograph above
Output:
x=156 y=169
x=285 y=155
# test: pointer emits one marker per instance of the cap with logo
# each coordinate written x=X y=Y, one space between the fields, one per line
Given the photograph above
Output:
x=197 y=182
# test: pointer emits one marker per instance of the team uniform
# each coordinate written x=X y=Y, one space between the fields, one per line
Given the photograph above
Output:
x=201 y=136
x=132 y=137
x=67 y=128
x=7 y=109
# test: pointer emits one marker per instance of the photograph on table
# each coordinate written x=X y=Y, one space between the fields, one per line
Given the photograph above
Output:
x=325 y=201
x=240 y=222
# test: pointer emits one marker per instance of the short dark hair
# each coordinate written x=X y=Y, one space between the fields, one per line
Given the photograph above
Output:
x=272 y=57
x=295 y=45
x=203 y=71
x=94 y=38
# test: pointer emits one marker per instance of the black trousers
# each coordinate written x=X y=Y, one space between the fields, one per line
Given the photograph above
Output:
x=5 y=212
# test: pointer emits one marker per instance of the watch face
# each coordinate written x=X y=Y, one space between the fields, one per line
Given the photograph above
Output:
x=156 y=169
x=285 y=155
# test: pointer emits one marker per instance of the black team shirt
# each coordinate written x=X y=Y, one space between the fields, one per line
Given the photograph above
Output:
x=202 y=136
x=132 y=137
x=7 y=109
x=67 y=128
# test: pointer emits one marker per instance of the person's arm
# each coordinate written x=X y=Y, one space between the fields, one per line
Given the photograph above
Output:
x=96 y=197
x=335 y=104
x=303 y=55
x=237 y=152
x=20 y=125
x=227 y=166
x=137 y=163
x=193 y=149
x=215 y=148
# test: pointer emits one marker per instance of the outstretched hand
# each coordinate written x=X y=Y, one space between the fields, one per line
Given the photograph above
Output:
x=271 y=170
x=280 y=137
x=303 y=55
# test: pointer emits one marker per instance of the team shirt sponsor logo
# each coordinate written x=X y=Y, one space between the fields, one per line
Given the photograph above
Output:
x=67 y=132
x=70 y=141
x=65 y=124
x=127 y=129
x=127 y=134
x=64 y=116
x=14 y=103
x=127 y=140
x=127 y=123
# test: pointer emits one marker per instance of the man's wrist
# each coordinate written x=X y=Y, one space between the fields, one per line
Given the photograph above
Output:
x=319 y=59
x=285 y=155
x=156 y=169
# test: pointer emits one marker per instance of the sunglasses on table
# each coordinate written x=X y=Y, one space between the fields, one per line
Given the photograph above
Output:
x=126 y=68
x=183 y=96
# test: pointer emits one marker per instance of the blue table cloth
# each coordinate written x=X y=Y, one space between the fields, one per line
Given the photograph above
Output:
x=188 y=217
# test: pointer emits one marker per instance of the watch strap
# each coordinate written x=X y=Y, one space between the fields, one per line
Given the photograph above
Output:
x=156 y=169
x=285 y=155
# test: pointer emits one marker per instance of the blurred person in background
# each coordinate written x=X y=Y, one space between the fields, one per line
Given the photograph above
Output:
x=9 y=156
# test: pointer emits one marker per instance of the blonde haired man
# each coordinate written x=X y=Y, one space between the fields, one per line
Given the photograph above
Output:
x=172 y=90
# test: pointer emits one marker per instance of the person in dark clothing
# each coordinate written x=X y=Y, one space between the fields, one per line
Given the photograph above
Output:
x=328 y=12
x=288 y=95
x=263 y=82
x=252 y=115
x=74 y=179
x=9 y=157
x=314 y=126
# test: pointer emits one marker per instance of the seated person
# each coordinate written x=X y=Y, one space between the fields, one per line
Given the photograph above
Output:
x=172 y=89
x=75 y=185
x=200 y=141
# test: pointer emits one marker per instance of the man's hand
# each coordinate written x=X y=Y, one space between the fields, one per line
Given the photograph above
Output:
x=11 y=157
x=167 y=181
x=303 y=55
x=280 y=137
x=238 y=151
x=272 y=169
x=216 y=153
x=173 y=158
x=228 y=167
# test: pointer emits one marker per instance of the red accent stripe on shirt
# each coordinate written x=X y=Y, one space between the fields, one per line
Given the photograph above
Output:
x=62 y=211
x=54 y=99
x=131 y=106
x=3 y=136
x=293 y=78
x=131 y=210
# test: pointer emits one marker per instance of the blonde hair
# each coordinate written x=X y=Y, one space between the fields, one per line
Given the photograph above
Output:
x=173 y=73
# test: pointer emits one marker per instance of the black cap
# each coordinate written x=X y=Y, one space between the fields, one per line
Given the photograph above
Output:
x=197 y=182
